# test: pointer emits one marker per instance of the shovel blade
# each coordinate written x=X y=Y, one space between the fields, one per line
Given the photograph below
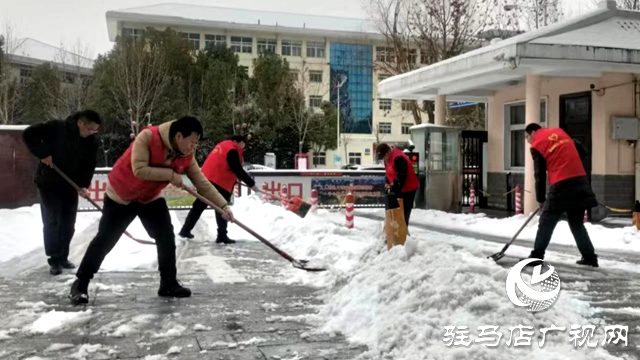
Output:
x=496 y=256
x=302 y=265
x=304 y=209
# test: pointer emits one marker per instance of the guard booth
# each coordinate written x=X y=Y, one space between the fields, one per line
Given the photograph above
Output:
x=439 y=167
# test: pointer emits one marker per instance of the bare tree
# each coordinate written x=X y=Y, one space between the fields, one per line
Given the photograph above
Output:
x=538 y=13
x=75 y=62
x=140 y=76
x=307 y=84
x=10 y=87
x=439 y=29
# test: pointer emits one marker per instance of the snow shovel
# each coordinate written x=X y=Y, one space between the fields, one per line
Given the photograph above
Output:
x=395 y=227
x=296 y=204
x=300 y=264
x=64 y=176
x=499 y=255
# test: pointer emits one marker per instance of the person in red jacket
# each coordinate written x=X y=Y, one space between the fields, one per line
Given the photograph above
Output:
x=401 y=178
x=222 y=168
x=555 y=153
x=157 y=157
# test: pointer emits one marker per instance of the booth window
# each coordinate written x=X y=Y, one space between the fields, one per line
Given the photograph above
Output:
x=515 y=124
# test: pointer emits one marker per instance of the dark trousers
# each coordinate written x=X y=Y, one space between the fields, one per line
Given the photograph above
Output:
x=548 y=221
x=199 y=207
x=59 y=208
x=115 y=219
x=408 y=198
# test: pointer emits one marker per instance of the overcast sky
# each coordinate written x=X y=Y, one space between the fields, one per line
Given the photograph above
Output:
x=68 y=20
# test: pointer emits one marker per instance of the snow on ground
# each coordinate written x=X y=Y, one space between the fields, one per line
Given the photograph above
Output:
x=622 y=239
x=398 y=302
x=21 y=230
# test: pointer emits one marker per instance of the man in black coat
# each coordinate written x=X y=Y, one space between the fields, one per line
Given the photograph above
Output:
x=72 y=146
x=556 y=154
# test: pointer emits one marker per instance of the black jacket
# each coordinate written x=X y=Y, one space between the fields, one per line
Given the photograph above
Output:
x=402 y=170
x=570 y=194
x=74 y=155
x=233 y=160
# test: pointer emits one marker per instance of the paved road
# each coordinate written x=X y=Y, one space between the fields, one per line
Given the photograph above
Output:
x=238 y=310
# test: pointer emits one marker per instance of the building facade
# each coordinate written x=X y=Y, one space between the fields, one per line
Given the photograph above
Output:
x=582 y=75
x=334 y=59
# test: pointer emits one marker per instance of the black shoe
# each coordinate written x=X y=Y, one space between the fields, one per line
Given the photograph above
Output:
x=224 y=240
x=55 y=268
x=171 y=287
x=186 y=234
x=79 y=292
x=66 y=264
x=593 y=261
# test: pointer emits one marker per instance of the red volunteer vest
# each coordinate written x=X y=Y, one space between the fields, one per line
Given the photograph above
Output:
x=560 y=153
x=216 y=168
x=131 y=188
x=412 y=179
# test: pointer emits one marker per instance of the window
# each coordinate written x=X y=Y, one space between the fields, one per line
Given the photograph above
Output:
x=384 y=54
x=291 y=48
x=384 y=104
x=315 y=76
x=194 y=39
x=515 y=123
x=211 y=41
x=407 y=105
x=405 y=128
x=413 y=56
x=426 y=59
x=320 y=159
x=315 y=49
x=242 y=44
x=384 y=128
x=294 y=75
x=244 y=70
x=134 y=33
x=267 y=46
x=355 y=158
x=315 y=101
x=69 y=77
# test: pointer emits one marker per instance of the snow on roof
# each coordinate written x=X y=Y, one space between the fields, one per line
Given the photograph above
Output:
x=35 y=49
x=617 y=32
x=250 y=17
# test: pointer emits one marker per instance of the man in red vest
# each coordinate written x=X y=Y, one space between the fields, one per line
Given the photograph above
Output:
x=223 y=168
x=401 y=178
x=157 y=157
x=555 y=153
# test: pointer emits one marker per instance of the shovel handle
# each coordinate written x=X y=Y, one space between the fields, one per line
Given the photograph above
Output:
x=241 y=225
x=75 y=186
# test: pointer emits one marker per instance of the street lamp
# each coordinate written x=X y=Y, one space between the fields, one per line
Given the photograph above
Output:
x=344 y=79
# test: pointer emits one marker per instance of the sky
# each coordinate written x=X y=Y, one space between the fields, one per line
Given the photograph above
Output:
x=70 y=20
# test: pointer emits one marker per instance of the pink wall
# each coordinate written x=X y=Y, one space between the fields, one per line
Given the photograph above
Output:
x=610 y=157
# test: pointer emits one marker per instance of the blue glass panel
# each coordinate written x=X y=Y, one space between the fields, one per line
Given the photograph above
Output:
x=355 y=64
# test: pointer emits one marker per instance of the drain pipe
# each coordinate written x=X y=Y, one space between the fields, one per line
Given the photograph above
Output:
x=636 y=105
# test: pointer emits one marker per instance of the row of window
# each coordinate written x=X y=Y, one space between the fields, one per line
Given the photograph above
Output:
x=385 y=104
x=386 y=54
x=244 y=44
x=385 y=128
x=355 y=158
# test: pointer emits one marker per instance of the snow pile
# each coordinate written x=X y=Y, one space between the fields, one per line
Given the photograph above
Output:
x=21 y=230
x=399 y=302
x=178 y=330
x=55 y=320
x=200 y=327
x=174 y=350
